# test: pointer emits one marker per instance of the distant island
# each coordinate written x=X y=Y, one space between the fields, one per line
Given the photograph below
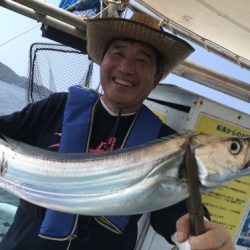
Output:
x=9 y=76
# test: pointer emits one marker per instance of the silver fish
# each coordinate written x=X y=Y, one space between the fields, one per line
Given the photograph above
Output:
x=122 y=182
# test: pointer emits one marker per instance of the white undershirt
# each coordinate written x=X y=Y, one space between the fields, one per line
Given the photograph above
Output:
x=112 y=113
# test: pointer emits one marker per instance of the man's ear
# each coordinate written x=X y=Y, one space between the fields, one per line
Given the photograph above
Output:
x=158 y=78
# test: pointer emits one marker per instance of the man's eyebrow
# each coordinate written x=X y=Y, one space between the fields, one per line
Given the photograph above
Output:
x=141 y=51
x=117 y=46
x=148 y=55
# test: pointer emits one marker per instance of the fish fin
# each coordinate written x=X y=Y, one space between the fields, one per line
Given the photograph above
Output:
x=168 y=137
x=190 y=132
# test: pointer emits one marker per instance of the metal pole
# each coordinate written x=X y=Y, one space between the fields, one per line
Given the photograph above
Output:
x=50 y=10
x=214 y=80
x=53 y=22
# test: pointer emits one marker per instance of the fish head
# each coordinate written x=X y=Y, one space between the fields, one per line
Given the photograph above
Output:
x=221 y=159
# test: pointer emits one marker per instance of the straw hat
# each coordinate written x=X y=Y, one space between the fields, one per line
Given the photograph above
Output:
x=141 y=27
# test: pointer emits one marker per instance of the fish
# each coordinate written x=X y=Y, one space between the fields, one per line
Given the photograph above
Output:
x=127 y=181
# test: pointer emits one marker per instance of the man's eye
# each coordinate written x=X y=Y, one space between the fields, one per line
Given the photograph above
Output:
x=117 y=53
x=142 y=61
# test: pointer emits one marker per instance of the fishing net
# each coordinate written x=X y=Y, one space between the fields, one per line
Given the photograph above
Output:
x=54 y=68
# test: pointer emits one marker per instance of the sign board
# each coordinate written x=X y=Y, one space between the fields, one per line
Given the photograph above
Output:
x=228 y=205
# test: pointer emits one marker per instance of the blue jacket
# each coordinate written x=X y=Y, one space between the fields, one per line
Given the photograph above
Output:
x=75 y=133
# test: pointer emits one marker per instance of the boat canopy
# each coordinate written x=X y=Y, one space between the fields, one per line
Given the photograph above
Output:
x=220 y=26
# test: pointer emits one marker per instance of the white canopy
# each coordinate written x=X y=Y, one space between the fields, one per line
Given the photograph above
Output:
x=222 y=26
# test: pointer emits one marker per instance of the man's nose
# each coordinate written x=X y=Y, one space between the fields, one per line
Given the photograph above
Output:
x=127 y=66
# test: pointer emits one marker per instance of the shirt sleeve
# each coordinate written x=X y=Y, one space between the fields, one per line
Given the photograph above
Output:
x=26 y=125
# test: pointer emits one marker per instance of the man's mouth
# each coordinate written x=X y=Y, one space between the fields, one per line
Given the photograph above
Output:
x=123 y=82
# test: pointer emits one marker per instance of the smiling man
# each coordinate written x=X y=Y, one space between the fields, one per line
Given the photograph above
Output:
x=128 y=74
x=133 y=56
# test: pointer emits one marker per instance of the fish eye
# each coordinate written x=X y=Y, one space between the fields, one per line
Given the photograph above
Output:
x=234 y=147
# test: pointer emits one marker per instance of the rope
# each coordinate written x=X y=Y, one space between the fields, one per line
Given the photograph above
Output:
x=15 y=37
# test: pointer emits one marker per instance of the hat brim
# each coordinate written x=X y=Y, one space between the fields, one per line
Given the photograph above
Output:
x=101 y=31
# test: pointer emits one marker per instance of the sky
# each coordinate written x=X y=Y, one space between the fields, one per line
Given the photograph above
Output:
x=18 y=32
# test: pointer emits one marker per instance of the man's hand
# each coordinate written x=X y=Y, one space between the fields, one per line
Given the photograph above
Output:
x=215 y=238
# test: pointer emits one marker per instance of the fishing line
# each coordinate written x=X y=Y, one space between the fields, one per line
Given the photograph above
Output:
x=15 y=37
x=69 y=244
x=113 y=131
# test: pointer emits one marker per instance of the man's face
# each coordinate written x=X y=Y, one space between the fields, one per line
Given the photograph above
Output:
x=128 y=74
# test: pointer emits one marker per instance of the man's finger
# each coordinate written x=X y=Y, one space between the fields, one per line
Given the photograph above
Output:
x=216 y=237
x=183 y=228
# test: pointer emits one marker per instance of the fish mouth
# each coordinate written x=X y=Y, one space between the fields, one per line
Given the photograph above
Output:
x=245 y=171
x=247 y=166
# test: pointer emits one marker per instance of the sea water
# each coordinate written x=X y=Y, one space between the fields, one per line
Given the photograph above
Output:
x=12 y=99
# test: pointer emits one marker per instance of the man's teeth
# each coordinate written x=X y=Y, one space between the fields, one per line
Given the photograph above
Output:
x=123 y=82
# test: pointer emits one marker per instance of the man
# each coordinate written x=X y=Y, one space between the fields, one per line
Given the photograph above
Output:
x=133 y=56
